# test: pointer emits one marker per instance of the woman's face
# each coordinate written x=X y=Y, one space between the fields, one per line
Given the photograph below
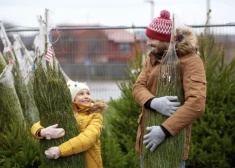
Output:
x=83 y=97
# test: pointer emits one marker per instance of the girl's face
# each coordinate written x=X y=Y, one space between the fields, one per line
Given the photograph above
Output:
x=83 y=97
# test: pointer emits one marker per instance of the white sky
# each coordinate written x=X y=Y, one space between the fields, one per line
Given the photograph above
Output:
x=115 y=13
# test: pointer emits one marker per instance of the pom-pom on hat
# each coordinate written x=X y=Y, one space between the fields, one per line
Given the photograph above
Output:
x=75 y=87
x=160 y=28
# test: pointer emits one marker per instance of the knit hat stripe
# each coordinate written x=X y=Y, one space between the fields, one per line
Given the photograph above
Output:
x=158 y=36
x=160 y=28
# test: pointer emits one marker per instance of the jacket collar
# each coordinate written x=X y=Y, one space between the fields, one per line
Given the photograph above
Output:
x=156 y=58
x=81 y=107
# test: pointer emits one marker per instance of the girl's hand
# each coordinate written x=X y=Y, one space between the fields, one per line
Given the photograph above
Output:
x=53 y=152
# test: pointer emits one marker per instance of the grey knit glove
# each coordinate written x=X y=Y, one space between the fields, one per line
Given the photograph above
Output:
x=154 y=137
x=164 y=105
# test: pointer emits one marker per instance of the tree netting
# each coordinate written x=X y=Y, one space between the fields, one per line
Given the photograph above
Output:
x=25 y=68
x=10 y=110
x=26 y=100
x=15 y=136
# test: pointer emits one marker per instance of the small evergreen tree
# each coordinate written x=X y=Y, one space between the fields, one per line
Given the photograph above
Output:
x=213 y=134
x=18 y=148
x=122 y=116
x=112 y=155
x=54 y=103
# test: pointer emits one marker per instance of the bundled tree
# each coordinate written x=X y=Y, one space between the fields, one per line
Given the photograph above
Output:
x=27 y=105
x=18 y=148
x=26 y=68
x=10 y=105
x=54 y=103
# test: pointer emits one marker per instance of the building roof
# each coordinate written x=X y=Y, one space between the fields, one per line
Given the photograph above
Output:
x=116 y=35
x=120 y=35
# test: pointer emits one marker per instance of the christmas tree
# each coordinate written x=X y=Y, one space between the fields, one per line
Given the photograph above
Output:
x=121 y=125
x=213 y=134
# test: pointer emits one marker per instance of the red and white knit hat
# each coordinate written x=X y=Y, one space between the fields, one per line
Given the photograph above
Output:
x=160 y=28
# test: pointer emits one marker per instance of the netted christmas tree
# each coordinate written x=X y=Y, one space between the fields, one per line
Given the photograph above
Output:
x=54 y=103
x=10 y=106
x=26 y=67
x=18 y=148
x=28 y=107
x=11 y=109
x=170 y=153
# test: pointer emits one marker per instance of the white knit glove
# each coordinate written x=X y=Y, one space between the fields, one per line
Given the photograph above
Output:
x=164 y=105
x=52 y=132
x=154 y=137
x=53 y=152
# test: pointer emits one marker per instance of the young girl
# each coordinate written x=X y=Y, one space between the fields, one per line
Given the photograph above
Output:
x=88 y=116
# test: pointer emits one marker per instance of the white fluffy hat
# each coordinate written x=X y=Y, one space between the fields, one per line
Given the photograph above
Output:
x=75 y=87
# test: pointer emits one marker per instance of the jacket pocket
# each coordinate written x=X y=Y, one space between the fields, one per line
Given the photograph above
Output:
x=198 y=86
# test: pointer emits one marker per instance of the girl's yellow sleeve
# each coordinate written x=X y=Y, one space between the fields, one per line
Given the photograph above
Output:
x=35 y=130
x=86 y=139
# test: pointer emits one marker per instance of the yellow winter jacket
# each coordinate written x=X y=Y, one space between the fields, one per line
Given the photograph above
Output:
x=90 y=124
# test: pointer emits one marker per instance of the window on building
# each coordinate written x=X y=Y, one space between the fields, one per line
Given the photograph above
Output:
x=124 y=48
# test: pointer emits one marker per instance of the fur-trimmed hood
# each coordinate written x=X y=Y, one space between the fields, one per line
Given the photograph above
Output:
x=98 y=106
x=93 y=107
x=187 y=41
